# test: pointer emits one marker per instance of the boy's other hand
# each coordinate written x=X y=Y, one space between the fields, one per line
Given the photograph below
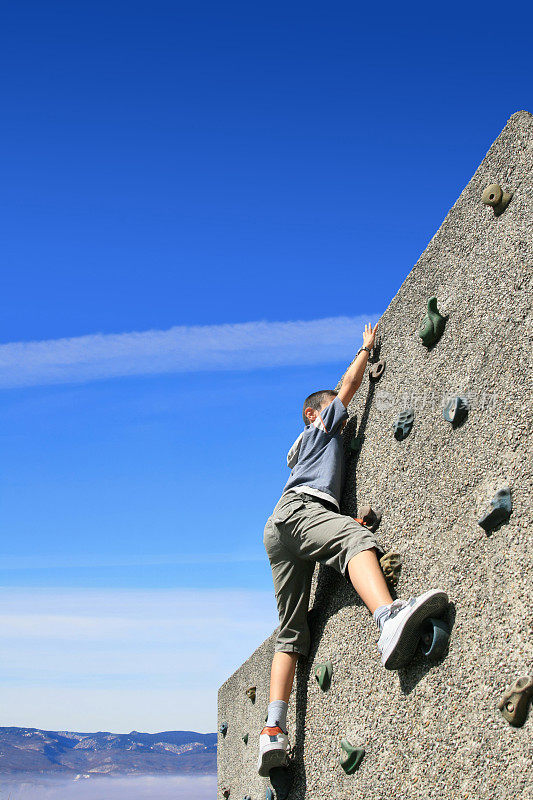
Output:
x=369 y=336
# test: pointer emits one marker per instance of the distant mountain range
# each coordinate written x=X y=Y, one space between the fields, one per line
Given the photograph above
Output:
x=102 y=753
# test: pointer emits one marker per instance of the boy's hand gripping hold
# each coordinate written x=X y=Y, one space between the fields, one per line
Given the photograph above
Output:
x=354 y=374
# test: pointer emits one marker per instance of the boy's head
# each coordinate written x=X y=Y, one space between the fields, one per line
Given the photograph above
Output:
x=315 y=403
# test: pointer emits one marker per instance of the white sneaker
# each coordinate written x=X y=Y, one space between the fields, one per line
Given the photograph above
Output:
x=273 y=746
x=401 y=630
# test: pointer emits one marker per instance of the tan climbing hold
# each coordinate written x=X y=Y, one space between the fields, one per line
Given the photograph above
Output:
x=515 y=701
x=391 y=564
x=250 y=693
x=496 y=197
x=377 y=369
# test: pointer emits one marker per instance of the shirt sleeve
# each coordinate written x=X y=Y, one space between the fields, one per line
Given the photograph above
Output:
x=294 y=452
x=330 y=419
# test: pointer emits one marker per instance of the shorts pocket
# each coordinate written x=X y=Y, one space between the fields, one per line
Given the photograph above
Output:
x=284 y=511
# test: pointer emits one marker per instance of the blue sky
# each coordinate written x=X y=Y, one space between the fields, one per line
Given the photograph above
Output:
x=180 y=183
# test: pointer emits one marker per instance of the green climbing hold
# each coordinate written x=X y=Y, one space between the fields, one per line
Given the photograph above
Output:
x=496 y=197
x=323 y=673
x=434 y=638
x=377 y=369
x=351 y=756
x=403 y=424
x=391 y=564
x=250 y=692
x=244 y=737
x=455 y=410
x=281 y=782
x=515 y=701
x=357 y=442
x=432 y=324
x=500 y=512
x=223 y=728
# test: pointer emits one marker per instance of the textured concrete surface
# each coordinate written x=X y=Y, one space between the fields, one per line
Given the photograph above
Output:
x=432 y=730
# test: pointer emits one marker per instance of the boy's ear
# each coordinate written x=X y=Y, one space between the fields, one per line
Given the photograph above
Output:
x=311 y=414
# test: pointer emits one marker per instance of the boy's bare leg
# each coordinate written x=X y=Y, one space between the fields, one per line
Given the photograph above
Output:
x=273 y=739
x=369 y=583
x=282 y=675
x=368 y=580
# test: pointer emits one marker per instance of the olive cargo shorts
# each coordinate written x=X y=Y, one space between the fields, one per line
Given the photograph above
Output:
x=300 y=532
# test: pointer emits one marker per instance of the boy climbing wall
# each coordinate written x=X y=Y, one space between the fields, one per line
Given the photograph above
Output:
x=306 y=527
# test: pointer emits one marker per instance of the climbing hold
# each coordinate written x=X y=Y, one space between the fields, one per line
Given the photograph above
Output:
x=494 y=196
x=225 y=792
x=244 y=737
x=269 y=794
x=323 y=673
x=377 y=369
x=247 y=797
x=281 y=780
x=432 y=324
x=434 y=637
x=403 y=424
x=455 y=410
x=351 y=756
x=369 y=518
x=391 y=564
x=515 y=701
x=223 y=728
x=357 y=442
x=250 y=692
x=501 y=510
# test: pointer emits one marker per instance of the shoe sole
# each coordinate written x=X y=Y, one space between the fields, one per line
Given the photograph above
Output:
x=407 y=639
x=274 y=757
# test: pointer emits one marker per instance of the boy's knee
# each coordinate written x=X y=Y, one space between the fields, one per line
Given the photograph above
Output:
x=292 y=655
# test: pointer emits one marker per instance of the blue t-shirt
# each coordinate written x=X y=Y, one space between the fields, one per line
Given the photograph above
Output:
x=320 y=462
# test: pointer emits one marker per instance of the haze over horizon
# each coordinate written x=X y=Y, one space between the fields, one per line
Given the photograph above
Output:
x=166 y=787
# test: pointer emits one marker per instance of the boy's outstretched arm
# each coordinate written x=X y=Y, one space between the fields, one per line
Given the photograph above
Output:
x=354 y=374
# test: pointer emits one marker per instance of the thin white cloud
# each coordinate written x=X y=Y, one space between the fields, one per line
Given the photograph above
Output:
x=24 y=562
x=124 y=659
x=241 y=346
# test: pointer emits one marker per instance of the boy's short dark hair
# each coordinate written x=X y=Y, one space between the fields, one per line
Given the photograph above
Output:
x=316 y=400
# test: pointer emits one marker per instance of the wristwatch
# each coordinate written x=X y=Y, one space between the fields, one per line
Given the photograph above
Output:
x=363 y=348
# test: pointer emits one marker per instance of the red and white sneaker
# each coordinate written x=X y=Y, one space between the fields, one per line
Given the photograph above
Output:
x=273 y=747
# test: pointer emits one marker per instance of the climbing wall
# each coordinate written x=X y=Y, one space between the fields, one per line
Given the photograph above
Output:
x=434 y=729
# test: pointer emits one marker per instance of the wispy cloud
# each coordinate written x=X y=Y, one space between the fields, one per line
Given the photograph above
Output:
x=124 y=659
x=42 y=561
x=242 y=346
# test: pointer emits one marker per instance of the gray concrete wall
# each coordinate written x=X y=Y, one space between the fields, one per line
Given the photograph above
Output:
x=430 y=731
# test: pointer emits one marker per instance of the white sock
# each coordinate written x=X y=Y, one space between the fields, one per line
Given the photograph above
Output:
x=277 y=715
